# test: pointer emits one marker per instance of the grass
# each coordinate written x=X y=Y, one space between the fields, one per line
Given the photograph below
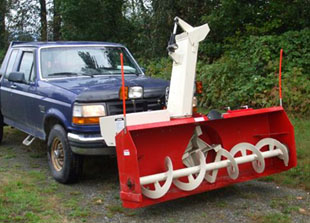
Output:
x=283 y=205
x=29 y=195
x=221 y=204
x=26 y=196
x=300 y=175
x=22 y=201
x=113 y=209
x=272 y=218
x=9 y=154
x=37 y=155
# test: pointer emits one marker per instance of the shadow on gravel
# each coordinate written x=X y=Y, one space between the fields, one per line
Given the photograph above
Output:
x=198 y=199
x=98 y=168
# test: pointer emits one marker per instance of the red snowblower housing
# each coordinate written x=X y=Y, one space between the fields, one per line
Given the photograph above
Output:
x=168 y=154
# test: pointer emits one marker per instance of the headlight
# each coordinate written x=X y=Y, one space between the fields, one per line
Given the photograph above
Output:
x=88 y=110
x=135 y=92
x=131 y=92
x=87 y=114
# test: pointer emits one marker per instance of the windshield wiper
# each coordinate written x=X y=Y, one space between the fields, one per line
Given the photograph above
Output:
x=128 y=73
x=69 y=74
x=90 y=75
x=63 y=74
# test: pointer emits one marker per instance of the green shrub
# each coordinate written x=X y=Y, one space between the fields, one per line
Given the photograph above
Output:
x=160 y=68
x=2 y=54
x=247 y=73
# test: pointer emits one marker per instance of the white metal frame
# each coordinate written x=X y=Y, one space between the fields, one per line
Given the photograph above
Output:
x=184 y=68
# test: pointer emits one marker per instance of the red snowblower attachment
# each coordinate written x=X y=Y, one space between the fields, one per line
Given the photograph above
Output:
x=164 y=155
x=168 y=160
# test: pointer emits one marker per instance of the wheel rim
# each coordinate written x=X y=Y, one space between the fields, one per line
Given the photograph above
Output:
x=57 y=154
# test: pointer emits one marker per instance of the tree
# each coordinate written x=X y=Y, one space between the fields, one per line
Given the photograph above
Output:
x=92 y=20
x=43 y=14
x=164 y=13
x=3 y=35
x=56 y=19
x=232 y=20
x=23 y=23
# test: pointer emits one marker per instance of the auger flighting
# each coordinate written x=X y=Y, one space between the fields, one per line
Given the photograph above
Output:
x=208 y=171
x=173 y=153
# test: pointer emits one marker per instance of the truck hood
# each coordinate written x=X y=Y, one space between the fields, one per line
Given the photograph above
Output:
x=104 y=88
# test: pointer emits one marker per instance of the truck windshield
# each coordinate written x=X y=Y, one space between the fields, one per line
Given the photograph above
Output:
x=90 y=61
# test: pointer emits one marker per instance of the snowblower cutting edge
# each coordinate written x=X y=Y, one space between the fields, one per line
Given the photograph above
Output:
x=173 y=153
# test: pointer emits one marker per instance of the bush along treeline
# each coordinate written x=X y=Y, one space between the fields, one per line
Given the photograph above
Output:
x=238 y=62
x=247 y=73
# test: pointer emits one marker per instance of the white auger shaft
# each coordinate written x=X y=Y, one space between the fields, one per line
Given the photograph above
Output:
x=208 y=171
x=210 y=166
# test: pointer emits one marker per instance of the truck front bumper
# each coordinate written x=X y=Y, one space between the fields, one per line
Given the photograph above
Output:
x=89 y=144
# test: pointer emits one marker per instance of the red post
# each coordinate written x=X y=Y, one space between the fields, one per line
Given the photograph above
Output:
x=280 y=77
x=123 y=89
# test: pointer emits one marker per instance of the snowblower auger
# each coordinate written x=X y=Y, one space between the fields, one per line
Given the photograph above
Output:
x=168 y=154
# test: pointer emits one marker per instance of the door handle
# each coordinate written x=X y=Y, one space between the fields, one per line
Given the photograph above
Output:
x=13 y=86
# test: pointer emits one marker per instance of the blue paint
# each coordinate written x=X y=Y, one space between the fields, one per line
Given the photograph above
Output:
x=27 y=106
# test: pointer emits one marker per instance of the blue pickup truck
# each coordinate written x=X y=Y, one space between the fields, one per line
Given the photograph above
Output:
x=57 y=91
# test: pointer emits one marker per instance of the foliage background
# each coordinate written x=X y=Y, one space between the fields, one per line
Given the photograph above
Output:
x=238 y=62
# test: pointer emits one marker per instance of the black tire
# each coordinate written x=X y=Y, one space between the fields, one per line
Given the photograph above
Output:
x=66 y=167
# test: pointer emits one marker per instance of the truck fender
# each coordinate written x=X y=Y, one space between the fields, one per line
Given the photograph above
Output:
x=54 y=116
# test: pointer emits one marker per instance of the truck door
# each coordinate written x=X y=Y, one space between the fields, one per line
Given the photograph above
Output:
x=15 y=98
x=21 y=97
x=7 y=107
x=34 y=110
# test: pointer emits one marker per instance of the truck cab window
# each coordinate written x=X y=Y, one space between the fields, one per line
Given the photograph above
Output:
x=11 y=63
x=26 y=64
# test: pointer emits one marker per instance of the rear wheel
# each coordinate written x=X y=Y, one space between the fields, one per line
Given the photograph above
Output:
x=66 y=167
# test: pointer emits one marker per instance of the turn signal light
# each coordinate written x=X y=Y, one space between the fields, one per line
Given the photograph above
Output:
x=85 y=120
x=199 y=87
x=121 y=93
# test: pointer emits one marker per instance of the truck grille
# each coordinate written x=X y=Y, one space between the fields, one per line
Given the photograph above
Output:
x=115 y=108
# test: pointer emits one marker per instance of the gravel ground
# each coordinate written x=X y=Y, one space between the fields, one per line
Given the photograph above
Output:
x=254 y=201
x=98 y=194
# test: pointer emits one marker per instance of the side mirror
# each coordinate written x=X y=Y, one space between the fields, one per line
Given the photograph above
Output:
x=17 y=77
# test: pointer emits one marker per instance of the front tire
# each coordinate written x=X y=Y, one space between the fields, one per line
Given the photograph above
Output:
x=66 y=167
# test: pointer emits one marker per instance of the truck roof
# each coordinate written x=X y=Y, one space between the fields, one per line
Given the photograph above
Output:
x=61 y=43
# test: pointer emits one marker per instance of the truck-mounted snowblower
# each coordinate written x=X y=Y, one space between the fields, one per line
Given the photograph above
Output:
x=168 y=154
